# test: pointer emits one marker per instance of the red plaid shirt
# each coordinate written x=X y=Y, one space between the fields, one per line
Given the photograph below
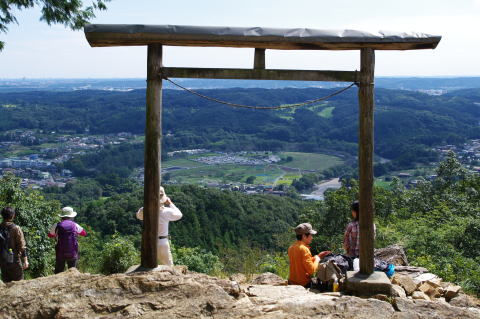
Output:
x=351 y=238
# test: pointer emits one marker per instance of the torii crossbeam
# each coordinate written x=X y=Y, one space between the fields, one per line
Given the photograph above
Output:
x=156 y=36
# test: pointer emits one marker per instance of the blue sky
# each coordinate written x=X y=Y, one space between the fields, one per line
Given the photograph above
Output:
x=35 y=50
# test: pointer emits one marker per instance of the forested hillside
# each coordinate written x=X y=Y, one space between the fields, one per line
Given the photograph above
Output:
x=406 y=123
x=437 y=223
x=223 y=231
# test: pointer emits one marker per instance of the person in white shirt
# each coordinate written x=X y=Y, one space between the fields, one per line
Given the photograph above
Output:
x=168 y=213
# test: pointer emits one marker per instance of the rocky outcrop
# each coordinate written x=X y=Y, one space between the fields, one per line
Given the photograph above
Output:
x=269 y=279
x=405 y=282
x=393 y=254
x=173 y=293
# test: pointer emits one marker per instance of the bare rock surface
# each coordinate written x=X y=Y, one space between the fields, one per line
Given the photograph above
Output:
x=423 y=309
x=410 y=271
x=240 y=278
x=393 y=254
x=269 y=279
x=463 y=300
x=451 y=292
x=169 y=293
x=398 y=291
x=405 y=282
x=420 y=295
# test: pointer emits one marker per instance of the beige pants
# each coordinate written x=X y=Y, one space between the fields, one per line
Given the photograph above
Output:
x=164 y=256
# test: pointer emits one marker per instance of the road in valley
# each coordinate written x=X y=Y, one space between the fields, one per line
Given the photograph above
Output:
x=319 y=189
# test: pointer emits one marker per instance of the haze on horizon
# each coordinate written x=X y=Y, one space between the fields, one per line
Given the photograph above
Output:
x=35 y=50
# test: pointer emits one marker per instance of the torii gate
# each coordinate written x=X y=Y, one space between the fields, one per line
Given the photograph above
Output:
x=155 y=36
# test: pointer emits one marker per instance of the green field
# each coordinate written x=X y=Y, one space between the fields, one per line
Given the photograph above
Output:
x=311 y=161
x=382 y=183
x=268 y=174
x=181 y=162
x=326 y=112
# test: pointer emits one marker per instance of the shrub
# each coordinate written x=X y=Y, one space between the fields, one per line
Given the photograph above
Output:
x=197 y=259
x=118 y=254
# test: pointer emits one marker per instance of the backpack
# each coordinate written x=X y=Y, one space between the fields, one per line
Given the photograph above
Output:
x=329 y=271
x=6 y=253
x=67 y=244
x=344 y=262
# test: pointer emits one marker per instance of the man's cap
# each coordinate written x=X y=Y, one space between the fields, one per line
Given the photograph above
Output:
x=305 y=228
x=68 y=212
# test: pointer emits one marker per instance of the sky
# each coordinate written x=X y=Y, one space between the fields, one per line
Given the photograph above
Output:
x=35 y=50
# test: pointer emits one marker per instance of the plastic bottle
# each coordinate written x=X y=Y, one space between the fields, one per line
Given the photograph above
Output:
x=10 y=256
x=335 y=285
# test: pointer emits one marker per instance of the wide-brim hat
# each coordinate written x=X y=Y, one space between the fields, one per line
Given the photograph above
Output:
x=68 y=212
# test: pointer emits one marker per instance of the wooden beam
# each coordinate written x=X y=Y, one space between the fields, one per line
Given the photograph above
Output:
x=259 y=59
x=153 y=143
x=365 y=157
x=111 y=40
x=99 y=35
x=260 y=74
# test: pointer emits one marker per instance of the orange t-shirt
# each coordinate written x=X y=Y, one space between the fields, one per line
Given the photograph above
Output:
x=302 y=264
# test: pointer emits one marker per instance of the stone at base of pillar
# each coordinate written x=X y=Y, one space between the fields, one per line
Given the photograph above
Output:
x=138 y=268
x=367 y=285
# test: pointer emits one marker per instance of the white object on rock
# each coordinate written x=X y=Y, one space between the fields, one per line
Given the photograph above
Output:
x=424 y=277
x=356 y=264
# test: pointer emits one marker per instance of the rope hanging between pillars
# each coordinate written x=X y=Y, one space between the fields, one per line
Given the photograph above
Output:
x=261 y=107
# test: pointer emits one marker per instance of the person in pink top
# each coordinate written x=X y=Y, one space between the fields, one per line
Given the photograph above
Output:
x=168 y=213
x=66 y=233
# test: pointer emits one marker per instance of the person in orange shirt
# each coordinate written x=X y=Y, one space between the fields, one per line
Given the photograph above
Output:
x=302 y=263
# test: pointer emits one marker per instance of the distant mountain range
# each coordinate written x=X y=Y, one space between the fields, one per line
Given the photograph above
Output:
x=429 y=85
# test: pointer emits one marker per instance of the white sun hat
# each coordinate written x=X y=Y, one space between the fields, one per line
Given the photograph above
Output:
x=68 y=212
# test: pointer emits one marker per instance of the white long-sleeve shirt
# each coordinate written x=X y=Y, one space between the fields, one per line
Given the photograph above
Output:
x=165 y=215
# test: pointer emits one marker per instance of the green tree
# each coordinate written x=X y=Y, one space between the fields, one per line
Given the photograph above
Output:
x=250 y=179
x=71 y=13
x=34 y=215
x=118 y=254
x=449 y=171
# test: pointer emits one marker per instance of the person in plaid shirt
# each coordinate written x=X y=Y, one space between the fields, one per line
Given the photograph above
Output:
x=351 y=238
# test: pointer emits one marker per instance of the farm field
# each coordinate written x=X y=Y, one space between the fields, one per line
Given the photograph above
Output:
x=311 y=161
x=269 y=174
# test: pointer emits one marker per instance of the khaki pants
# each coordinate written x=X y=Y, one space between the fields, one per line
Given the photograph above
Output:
x=164 y=256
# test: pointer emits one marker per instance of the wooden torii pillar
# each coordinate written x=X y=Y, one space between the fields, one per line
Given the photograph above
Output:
x=155 y=36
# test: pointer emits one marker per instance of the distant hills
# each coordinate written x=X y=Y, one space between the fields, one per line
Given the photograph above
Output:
x=407 y=123
x=430 y=85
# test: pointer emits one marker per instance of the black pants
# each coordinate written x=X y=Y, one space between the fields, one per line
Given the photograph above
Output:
x=12 y=272
x=60 y=264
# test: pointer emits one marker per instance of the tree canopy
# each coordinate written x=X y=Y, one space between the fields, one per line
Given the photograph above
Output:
x=71 y=13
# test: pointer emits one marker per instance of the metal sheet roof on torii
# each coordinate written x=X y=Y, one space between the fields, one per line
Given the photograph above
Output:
x=102 y=35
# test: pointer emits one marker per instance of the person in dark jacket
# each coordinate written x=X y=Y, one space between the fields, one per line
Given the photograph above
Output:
x=12 y=270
